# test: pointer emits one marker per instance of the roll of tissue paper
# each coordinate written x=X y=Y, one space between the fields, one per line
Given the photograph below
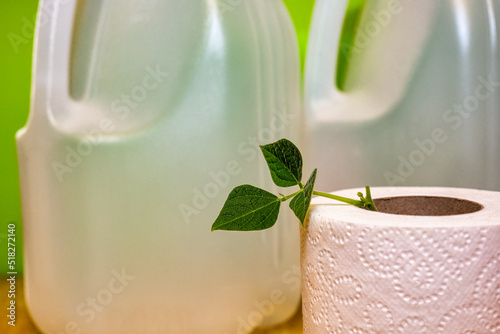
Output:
x=373 y=272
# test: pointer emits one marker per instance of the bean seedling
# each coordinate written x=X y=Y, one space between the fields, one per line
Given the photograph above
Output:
x=249 y=208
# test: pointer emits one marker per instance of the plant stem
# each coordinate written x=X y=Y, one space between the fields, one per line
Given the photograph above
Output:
x=368 y=195
x=286 y=198
x=364 y=203
x=339 y=198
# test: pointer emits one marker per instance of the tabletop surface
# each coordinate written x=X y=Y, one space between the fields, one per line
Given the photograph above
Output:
x=24 y=325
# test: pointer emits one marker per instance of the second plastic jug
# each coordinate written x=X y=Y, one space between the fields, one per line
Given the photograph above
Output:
x=404 y=93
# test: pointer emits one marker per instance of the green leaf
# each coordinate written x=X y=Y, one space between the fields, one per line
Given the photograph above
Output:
x=300 y=203
x=284 y=161
x=248 y=208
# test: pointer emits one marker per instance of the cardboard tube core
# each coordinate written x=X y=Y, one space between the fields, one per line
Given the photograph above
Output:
x=426 y=206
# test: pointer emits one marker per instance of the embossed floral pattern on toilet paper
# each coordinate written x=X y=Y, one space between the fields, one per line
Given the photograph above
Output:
x=487 y=286
x=323 y=231
x=375 y=280
x=341 y=289
x=470 y=319
x=412 y=325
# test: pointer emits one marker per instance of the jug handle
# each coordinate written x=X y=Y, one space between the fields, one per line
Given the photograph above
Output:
x=51 y=60
x=323 y=49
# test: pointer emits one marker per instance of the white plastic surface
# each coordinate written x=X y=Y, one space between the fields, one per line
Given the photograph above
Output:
x=421 y=102
x=145 y=114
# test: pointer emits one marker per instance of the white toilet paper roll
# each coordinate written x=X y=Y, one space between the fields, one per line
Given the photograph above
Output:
x=372 y=272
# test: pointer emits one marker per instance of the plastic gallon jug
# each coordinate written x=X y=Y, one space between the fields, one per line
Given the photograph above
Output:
x=145 y=114
x=404 y=93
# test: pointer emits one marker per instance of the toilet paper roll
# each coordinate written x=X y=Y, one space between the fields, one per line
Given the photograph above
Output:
x=373 y=272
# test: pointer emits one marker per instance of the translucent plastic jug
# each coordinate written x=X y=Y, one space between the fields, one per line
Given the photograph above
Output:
x=145 y=114
x=415 y=99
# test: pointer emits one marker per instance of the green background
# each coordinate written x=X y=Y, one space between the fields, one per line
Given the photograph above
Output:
x=16 y=46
